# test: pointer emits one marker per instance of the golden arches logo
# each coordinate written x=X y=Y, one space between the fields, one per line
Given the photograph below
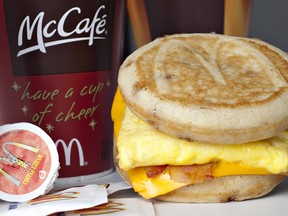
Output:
x=68 y=148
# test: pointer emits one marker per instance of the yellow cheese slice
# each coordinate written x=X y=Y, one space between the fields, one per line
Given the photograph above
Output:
x=162 y=184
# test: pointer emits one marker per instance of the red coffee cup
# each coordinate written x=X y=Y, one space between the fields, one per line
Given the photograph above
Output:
x=59 y=63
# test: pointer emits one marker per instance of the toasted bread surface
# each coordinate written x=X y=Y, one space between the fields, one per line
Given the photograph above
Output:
x=208 y=87
x=225 y=189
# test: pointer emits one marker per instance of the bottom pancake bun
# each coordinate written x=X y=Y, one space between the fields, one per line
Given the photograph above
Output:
x=225 y=189
x=217 y=190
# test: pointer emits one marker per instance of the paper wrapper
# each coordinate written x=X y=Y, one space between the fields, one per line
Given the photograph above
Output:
x=77 y=201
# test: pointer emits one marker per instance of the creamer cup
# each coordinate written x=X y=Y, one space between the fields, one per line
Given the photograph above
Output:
x=29 y=162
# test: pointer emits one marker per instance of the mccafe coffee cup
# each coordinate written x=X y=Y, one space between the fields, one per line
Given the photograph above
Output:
x=58 y=63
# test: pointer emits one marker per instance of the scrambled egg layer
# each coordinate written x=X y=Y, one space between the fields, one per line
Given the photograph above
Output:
x=140 y=145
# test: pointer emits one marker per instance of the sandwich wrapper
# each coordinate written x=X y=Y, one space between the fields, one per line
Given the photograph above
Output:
x=65 y=200
x=29 y=162
x=85 y=200
x=117 y=207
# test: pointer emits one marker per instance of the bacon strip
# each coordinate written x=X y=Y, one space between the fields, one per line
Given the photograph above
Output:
x=185 y=174
x=191 y=173
x=152 y=171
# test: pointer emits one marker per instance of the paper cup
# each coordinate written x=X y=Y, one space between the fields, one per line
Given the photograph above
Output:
x=59 y=62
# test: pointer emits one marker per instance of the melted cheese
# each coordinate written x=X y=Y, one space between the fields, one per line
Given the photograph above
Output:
x=162 y=184
x=117 y=112
x=151 y=147
x=152 y=187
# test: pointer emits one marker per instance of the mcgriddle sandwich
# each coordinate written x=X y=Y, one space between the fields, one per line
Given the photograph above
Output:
x=202 y=118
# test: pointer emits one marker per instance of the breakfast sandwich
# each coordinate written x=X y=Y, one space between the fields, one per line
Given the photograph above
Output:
x=202 y=118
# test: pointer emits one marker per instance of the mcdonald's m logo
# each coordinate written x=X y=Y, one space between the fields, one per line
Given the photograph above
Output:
x=68 y=148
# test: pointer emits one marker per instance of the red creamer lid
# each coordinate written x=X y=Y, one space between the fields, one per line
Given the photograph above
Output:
x=29 y=162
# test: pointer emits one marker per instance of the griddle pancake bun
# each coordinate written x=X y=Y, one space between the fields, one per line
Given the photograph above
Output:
x=208 y=87
x=225 y=189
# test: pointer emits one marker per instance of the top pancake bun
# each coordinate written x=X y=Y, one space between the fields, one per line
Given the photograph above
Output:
x=208 y=87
